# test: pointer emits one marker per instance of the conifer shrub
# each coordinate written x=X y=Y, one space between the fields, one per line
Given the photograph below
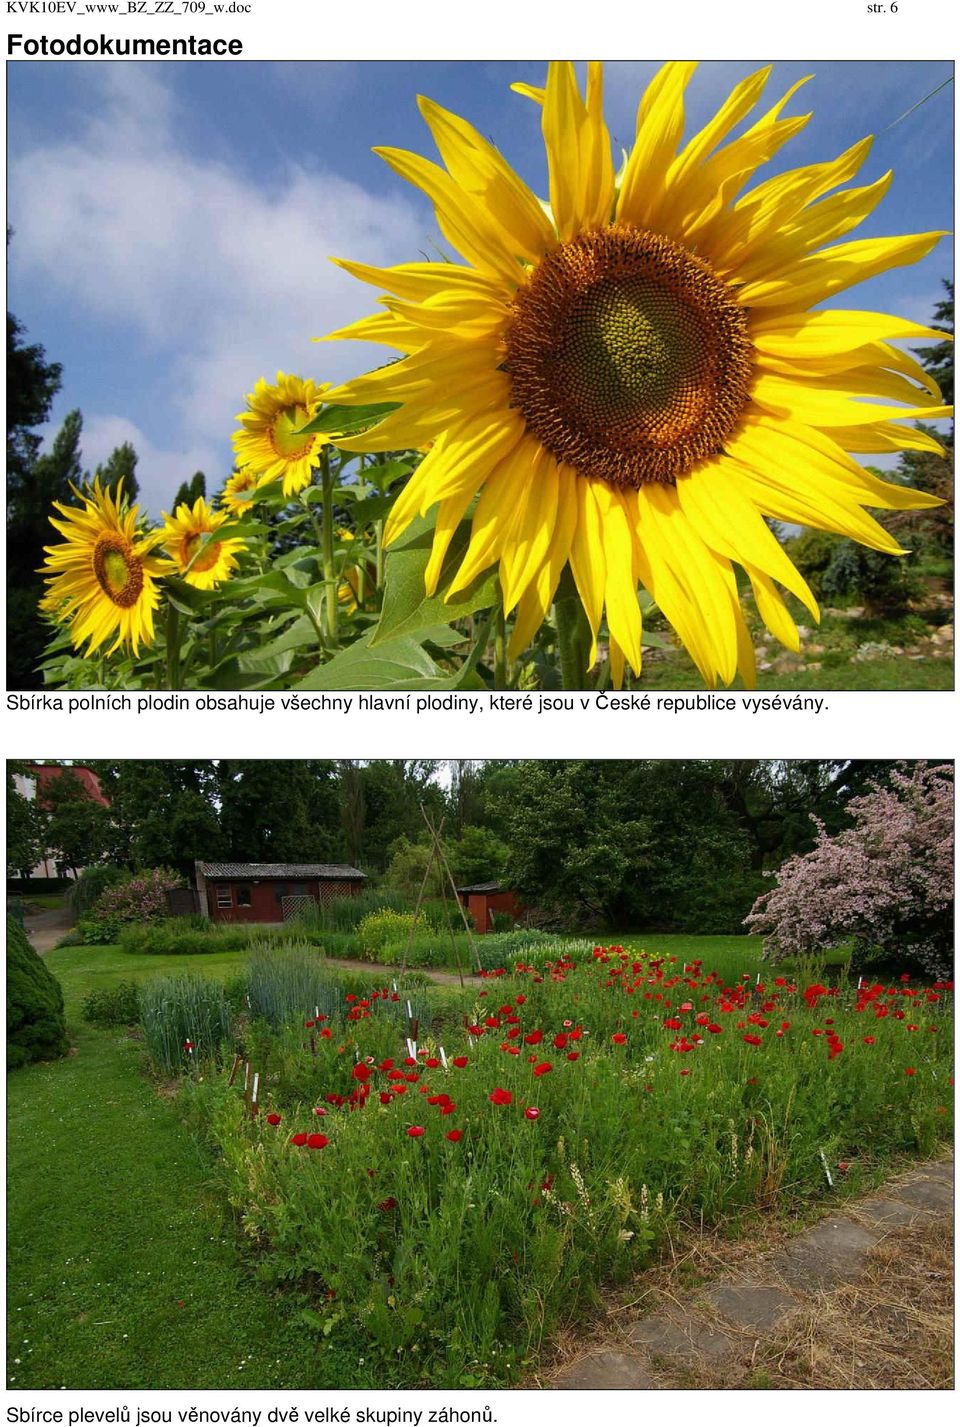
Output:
x=36 y=1028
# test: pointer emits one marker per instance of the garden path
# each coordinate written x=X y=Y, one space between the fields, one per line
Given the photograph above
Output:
x=44 y=929
x=698 y=1332
x=438 y=978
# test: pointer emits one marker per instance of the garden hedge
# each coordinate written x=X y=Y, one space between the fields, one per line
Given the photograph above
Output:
x=36 y=1028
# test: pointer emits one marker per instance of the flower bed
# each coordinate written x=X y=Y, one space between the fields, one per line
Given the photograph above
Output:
x=455 y=1203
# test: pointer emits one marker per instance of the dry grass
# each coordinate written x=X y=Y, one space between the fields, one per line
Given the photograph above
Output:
x=892 y=1329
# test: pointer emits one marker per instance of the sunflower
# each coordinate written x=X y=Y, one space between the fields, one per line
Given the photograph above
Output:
x=631 y=378
x=270 y=445
x=101 y=581
x=203 y=566
x=238 y=491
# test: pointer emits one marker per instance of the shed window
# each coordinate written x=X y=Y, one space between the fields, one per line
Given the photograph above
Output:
x=243 y=896
x=280 y=890
x=225 y=896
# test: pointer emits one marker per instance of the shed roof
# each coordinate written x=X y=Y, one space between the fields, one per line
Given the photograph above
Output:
x=483 y=887
x=300 y=871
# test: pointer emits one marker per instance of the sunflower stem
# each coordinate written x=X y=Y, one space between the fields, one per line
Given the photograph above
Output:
x=500 y=675
x=173 y=647
x=566 y=612
x=329 y=574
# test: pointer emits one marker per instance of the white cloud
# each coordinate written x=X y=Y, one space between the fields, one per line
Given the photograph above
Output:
x=216 y=277
x=159 y=471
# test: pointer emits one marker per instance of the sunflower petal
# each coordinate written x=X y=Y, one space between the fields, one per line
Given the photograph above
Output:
x=482 y=171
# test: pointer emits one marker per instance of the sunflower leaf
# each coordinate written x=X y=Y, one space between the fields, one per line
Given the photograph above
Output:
x=407 y=609
x=185 y=598
x=396 y=664
x=346 y=420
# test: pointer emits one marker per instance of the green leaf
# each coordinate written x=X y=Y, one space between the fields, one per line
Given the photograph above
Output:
x=300 y=633
x=406 y=608
x=185 y=598
x=347 y=420
x=395 y=664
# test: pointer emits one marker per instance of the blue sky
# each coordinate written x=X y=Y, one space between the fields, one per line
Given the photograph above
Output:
x=173 y=222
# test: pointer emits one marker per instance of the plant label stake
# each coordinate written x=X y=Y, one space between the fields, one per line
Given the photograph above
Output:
x=236 y=1066
x=255 y=1096
x=443 y=1059
x=826 y=1169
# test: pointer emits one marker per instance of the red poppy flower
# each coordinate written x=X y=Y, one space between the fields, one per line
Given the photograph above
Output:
x=361 y=1072
x=532 y=1113
x=385 y=1097
x=753 y=1040
x=399 y=1089
x=386 y=1205
x=573 y=1055
x=300 y=1139
x=534 y=1038
x=317 y=1142
x=909 y=1070
x=619 y=1038
x=543 y=1068
x=415 y=1131
x=455 y=1135
x=432 y=1063
x=273 y=1119
x=501 y=1097
x=309 y=1025
x=459 y=1061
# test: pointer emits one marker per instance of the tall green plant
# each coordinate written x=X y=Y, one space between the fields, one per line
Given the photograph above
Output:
x=185 y=1020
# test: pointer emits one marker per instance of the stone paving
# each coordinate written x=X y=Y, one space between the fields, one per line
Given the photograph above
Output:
x=715 y=1320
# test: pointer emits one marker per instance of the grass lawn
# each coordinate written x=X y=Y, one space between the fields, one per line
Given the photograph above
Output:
x=46 y=901
x=123 y=1269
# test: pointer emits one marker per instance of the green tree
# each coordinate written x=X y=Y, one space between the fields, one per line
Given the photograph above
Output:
x=76 y=827
x=394 y=790
x=34 y=481
x=409 y=864
x=279 y=810
x=36 y=1028
x=163 y=812
x=32 y=383
x=24 y=828
x=478 y=856
x=120 y=465
x=189 y=492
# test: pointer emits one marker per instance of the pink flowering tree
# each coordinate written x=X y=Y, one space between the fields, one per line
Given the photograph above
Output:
x=140 y=899
x=886 y=884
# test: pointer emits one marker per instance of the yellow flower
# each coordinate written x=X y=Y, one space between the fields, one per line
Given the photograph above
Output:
x=183 y=532
x=101 y=581
x=631 y=378
x=268 y=445
x=238 y=491
x=357 y=577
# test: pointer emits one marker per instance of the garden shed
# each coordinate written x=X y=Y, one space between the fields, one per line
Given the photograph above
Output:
x=271 y=891
x=482 y=899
